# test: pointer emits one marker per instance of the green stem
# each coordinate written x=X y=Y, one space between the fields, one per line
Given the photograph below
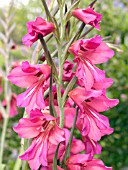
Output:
x=60 y=105
x=89 y=30
x=78 y=33
x=3 y=138
x=24 y=145
x=47 y=11
x=60 y=46
x=48 y=57
x=18 y=161
x=55 y=158
x=67 y=152
x=51 y=105
x=68 y=88
x=6 y=92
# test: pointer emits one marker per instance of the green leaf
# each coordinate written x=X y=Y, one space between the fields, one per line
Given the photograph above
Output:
x=67 y=152
x=68 y=88
x=55 y=158
x=69 y=12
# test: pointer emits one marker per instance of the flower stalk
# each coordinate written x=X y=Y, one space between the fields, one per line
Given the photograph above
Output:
x=67 y=152
x=58 y=88
x=7 y=92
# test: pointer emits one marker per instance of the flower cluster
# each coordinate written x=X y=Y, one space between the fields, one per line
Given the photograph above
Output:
x=88 y=98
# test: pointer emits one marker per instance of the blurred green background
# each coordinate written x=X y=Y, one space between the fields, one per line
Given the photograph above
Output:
x=115 y=25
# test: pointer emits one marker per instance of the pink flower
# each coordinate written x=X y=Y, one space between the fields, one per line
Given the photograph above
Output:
x=46 y=133
x=89 y=76
x=13 y=109
x=88 y=16
x=39 y=26
x=77 y=145
x=35 y=79
x=90 y=122
x=87 y=53
x=93 y=49
x=83 y=161
x=67 y=71
x=91 y=146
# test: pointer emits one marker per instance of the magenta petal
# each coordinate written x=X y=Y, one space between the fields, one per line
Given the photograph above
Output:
x=13 y=109
x=43 y=156
x=69 y=116
x=100 y=81
x=88 y=16
x=99 y=125
x=84 y=74
x=75 y=47
x=79 y=95
x=39 y=26
x=32 y=98
x=79 y=159
x=97 y=164
x=104 y=84
x=21 y=78
x=93 y=124
x=91 y=44
x=27 y=129
x=77 y=146
x=29 y=39
x=31 y=151
x=102 y=103
x=32 y=154
x=82 y=161
x=83 y=15
x=97 y=51
x=91 y=146
x=56 y=135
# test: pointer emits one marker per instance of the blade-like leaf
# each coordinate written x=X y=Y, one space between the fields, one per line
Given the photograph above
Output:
x=55 y=158
x=11 y=16
x=12 y=28
x=69 y=12
x=3 y=23
x=2 y=52
x=68 y=88
x=2 y=37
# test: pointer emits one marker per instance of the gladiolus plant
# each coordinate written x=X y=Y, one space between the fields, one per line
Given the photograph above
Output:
x=65 y=90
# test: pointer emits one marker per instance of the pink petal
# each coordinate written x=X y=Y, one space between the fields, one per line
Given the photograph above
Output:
x=99 y=124
x=83 y=15
x=91 y=147
x=56 y=135
x=21 y=78
x=79 y=95
x=99 y=55
x=97 y=164
x=69 y=116
x=78 y=159
x=32 y=98
x=77 y=146
x=88 y=16
x=27 y=129
x=102 y=103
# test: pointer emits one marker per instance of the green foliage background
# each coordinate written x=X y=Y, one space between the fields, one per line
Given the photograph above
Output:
x=114 y=24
